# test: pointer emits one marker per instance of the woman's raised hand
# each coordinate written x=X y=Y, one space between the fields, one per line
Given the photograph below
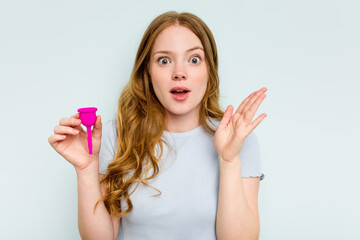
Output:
x=233 y=129
x=70 y=141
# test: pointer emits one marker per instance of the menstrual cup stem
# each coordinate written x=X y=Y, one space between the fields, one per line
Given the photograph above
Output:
x=88 y=129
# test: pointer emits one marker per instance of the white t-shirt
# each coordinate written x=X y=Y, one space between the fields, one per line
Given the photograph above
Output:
x=188 y=181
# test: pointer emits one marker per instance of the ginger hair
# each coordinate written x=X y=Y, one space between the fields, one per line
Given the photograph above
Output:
x=140 y=117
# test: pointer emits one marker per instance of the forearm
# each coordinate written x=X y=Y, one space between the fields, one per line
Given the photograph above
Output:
x=92 y=225
x=234 y=219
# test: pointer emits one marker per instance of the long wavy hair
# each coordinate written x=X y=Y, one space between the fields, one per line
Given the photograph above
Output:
x=141 y=117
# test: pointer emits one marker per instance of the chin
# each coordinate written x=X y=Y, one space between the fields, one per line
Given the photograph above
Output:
x=183 y=111
x=178 y=113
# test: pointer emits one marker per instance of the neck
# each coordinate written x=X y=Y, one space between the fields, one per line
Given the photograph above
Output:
x=181 y=123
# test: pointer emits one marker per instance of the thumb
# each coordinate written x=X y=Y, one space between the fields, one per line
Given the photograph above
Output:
x=226 y=118
x=97 y=129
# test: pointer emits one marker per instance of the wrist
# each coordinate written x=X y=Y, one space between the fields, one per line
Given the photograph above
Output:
x=229 y=163
x=91 y=169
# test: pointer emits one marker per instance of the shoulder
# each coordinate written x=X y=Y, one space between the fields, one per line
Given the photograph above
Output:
x=108 y=145
x=251 y=147
x=251 y=140
x=250 y=157
x=109 y=129
x=213 y=122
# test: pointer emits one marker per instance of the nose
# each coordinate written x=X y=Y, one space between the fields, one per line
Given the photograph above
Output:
x=179 y=73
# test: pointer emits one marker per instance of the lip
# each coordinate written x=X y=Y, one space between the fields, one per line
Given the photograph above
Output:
x=179 y=88
x=181 y=97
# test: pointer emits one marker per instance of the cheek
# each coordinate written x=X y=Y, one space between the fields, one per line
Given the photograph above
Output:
x=203 y=80
x=202 y=85
x=155 y=80
x=159 y=88
x=203 y=88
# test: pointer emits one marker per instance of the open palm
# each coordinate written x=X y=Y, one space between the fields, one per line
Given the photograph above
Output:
x=233 y=129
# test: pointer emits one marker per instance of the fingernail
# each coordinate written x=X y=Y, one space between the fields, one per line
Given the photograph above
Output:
x=76 y=131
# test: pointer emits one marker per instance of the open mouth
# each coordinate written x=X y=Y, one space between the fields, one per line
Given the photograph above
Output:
x=179 y=92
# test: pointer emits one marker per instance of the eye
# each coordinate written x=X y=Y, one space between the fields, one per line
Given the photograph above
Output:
x=195 y=59
x=163 y=60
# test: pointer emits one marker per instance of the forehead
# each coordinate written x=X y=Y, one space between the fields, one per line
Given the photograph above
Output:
x=176 y=38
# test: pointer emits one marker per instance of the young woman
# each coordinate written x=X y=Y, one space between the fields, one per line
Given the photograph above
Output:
x=207 y=172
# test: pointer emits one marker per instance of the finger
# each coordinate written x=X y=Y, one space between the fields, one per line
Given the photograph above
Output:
x=56 y=138
x=249 y=114
x=241 y=106
x=253 y=99
x=97 y=129
x=71 y=121
x=226 y=118
x=257 y=121
x=236 y=116
x=247 y=100
x=65 y=130
x=78 y=123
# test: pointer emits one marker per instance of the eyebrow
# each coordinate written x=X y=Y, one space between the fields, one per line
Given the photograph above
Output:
x=189 y=50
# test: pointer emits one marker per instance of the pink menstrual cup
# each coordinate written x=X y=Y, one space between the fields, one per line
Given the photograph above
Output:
x=88 y=118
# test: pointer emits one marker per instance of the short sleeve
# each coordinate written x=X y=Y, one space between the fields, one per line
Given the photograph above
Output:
x=250 y=157
x=108 y=146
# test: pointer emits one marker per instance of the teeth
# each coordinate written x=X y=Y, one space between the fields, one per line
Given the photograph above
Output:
x=179 y=91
